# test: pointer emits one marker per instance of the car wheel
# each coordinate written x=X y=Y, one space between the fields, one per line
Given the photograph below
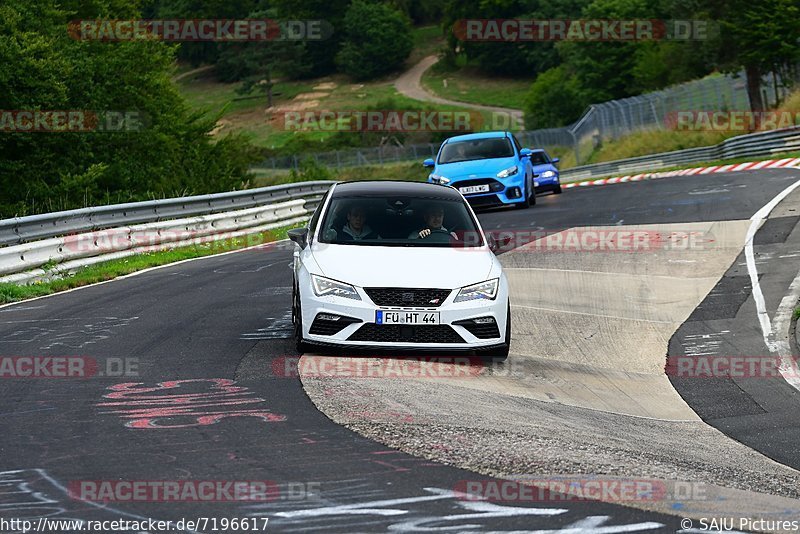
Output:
x=557 y=190
x=297 y=321
x=499 y=354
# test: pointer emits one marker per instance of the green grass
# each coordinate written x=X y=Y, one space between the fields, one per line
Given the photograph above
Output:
x=265 y=129
x=468 y=85
x=428 y=40
x=112 y=269
x=796 y=313
x=406 y=171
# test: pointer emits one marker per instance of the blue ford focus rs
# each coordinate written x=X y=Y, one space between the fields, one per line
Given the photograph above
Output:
x=489 y=168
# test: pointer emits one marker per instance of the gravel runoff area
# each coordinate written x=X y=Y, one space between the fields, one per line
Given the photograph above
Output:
x=508 y=436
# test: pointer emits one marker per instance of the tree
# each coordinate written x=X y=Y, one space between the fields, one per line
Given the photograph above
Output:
x=554 y=99
x=257 y=64
x=760 y=36
x=318 y=55
x=42 y=68
x=377 y=40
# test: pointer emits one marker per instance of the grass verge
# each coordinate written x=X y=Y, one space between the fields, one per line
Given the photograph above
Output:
x=114 y=268
x=469 y=85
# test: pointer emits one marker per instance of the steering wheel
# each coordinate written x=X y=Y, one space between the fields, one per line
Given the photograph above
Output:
x=438 y=235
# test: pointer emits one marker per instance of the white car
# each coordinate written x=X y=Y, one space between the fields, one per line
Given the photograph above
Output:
x=400 y=265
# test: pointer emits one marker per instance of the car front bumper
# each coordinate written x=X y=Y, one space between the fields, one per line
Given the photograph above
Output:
x=455 y=330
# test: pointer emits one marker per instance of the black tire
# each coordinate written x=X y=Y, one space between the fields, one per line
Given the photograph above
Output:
x=500 y=353
x=297 y=321
x=557 y=190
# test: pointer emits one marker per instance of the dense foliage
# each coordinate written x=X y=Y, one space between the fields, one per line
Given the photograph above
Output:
x=42 y=68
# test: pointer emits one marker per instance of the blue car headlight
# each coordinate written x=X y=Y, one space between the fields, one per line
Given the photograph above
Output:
x=483 y=290
x=439 y=179
x=505 y=173
x=548 y=174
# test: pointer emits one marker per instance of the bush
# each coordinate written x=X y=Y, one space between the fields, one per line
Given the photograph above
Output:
x=41 y=67
x=554 y=99
x=377 y=40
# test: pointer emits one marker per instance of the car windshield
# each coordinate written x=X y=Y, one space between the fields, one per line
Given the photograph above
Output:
x=539 y=158
x=486 y=148
x=399 y=221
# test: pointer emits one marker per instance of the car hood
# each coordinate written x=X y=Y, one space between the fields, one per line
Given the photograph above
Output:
x=539 y=169
x=481 y=168
x=432 y=267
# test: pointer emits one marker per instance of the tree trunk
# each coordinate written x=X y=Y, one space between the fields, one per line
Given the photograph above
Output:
x=753 y=73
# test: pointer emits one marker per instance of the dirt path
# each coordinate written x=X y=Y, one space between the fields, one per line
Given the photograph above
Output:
x=409 y=84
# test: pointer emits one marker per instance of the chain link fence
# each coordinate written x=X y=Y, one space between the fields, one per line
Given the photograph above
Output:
x=599 y=123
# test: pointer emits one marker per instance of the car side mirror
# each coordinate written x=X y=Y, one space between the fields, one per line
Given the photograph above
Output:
x=555 y=160
x=492 y=243
x=428 y=163
x=299 y=236
x=525 y=152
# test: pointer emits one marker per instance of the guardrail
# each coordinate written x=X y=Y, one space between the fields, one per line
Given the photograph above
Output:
x=67 y=240
x=742 y=146
x=25 y=229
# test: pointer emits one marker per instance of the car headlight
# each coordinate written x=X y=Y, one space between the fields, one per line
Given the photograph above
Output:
x=437 y=179
x=548 y=174
x=511 y=171
x=483 y=290
x=325 y=286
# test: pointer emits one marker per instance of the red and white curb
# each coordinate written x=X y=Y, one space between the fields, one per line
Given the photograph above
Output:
x=748 y=166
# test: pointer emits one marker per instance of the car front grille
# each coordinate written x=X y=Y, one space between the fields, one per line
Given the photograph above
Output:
x=407 y=298
x=398 y=333
x=484 y=201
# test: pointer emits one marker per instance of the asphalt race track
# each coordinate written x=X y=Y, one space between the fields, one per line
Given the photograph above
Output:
x=203 y=403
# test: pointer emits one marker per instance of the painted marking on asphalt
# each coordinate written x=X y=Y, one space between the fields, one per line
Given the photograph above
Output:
x=775 y=334
x=219 y=399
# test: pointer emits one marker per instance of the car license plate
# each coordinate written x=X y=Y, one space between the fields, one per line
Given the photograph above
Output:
x=405 y=317
x=536 y=183
x=468 y=190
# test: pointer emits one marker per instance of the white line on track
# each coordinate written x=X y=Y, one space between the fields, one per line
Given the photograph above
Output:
x=775 y=333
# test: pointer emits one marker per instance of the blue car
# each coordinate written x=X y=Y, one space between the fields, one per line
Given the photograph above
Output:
x=490 y=169
x=544 y=167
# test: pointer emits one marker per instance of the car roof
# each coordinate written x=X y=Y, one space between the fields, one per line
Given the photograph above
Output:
x=379 y=188
x=480 y=135
x=537 y=150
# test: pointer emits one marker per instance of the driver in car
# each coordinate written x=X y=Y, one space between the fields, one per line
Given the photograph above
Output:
x=434 y=221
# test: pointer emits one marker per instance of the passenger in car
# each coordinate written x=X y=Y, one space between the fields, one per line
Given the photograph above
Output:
x=356 y=228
